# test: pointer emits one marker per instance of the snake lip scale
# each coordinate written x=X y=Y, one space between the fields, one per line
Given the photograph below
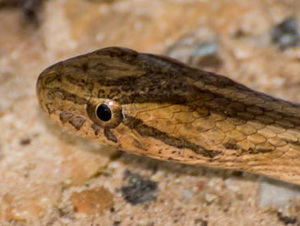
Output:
x=158 y=107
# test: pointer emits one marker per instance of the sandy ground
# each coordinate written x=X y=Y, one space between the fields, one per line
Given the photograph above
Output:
x=51 y=177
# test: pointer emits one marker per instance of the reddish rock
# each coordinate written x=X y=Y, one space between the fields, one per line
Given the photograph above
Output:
x=92 y=201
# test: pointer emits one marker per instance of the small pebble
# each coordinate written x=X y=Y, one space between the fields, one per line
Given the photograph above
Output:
x=138 y=190
x=92 y=201
x=286 y=34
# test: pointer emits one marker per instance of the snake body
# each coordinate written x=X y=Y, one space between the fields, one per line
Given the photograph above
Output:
x=156 y=106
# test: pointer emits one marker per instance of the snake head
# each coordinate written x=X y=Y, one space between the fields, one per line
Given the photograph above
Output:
x=137 y=102
x=82 y=93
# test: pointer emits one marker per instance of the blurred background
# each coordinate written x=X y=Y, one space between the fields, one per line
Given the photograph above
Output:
x=51 y=177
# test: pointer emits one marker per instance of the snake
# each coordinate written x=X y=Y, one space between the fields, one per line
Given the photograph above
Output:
x=155 y=106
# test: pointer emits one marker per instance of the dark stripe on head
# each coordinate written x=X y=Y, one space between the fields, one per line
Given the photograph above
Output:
x=181 y=143
x=251 y=151
x=65 y=116
x=66 y=95
x=77 y=121
x=108 y=134
x=81 y=83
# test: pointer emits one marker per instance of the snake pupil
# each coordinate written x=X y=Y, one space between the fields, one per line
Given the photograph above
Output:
x=103 y=112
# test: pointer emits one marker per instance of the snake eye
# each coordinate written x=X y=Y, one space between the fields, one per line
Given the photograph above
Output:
x=103 y=112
